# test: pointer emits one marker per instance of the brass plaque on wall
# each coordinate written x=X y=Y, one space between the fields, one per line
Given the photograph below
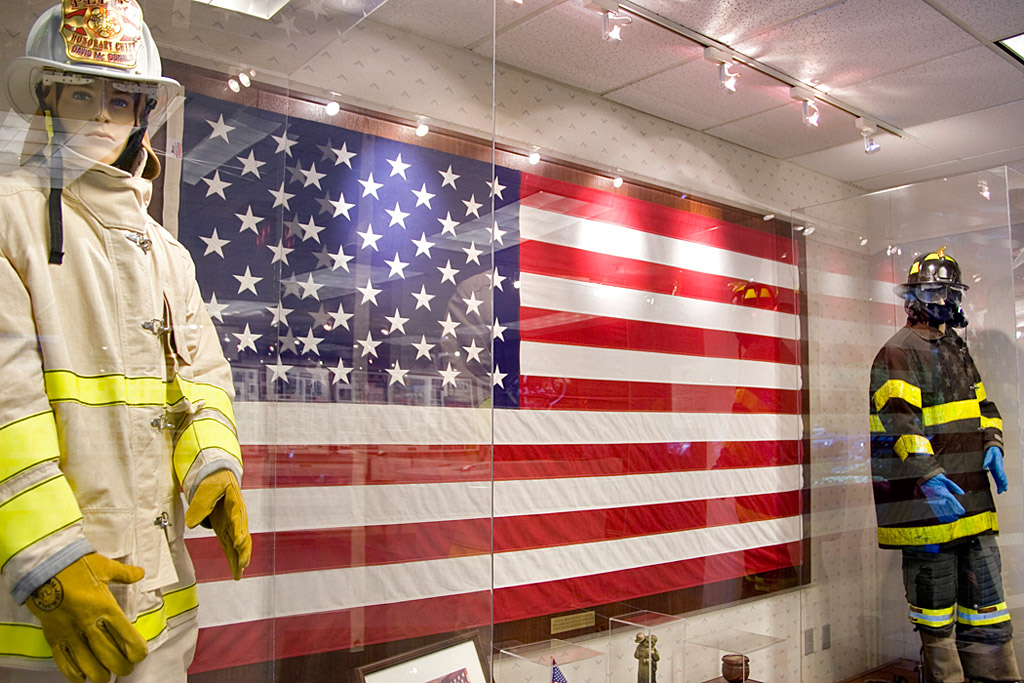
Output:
x=571 y=622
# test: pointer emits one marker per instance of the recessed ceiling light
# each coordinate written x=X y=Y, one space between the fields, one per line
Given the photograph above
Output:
x=1014 y=45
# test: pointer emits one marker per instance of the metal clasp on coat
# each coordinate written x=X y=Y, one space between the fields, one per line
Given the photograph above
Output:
x=162 y=422
x=141 y=241
x=156 y=326
x=163 y=521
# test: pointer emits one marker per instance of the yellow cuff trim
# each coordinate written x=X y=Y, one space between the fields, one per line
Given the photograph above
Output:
x=912 y=444
x=34 y=514
x=939 y=533
x=26 y=443
x=897 y=388
x=993 y=422
x=199 y=436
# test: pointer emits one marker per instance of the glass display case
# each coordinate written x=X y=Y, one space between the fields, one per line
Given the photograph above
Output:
x=646 y=647
x=549 y=661
x=735 y=655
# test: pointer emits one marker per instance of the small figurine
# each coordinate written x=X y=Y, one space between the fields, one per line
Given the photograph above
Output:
x=647 y=654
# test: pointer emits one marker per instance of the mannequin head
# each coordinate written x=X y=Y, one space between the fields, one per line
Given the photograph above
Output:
x=97 y=117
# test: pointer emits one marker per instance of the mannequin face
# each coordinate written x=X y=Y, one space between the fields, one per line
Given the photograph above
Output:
x=98 y=117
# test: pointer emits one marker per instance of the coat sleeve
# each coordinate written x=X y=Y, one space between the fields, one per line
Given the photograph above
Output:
x=41 y=527
x=897 y=415
x=991 y=421
x=206 y=438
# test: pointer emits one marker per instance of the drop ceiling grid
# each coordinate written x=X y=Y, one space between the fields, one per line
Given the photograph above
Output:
x=995 y=19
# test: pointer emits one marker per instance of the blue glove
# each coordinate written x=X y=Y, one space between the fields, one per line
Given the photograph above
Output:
x=939 y=490
x=994 y=464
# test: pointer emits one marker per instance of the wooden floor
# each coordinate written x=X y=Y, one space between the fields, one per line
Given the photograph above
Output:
x=887 y=673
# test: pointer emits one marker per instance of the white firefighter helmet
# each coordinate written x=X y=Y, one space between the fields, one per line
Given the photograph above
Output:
x=88 y=38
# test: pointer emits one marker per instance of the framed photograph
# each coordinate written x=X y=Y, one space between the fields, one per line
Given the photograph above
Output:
x=457 y=660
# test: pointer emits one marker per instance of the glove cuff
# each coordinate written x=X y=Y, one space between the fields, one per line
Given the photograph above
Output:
x=49 y=568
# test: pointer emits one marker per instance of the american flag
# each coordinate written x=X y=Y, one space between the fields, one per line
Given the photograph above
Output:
x=556 y=673
x=424 y=345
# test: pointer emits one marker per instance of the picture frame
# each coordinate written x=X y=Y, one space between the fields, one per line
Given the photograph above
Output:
x=456 y=660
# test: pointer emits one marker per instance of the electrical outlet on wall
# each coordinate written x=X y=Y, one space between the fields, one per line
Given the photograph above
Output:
x=826 y=636
x=808 y=641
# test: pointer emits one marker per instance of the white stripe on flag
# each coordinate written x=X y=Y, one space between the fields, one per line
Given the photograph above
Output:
x=587 y=362
x=618 y=240
x=542 y=291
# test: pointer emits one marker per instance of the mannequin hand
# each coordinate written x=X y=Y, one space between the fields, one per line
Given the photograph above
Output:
x=939 y=491
x=89 y=634
x=994 y=464
x=219 y=498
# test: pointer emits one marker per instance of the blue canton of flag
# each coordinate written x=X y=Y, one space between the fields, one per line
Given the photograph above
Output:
x=340 y=266
x=556 y=673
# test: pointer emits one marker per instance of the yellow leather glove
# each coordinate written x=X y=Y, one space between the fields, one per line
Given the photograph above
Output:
x=219 y=498
x=86 y=628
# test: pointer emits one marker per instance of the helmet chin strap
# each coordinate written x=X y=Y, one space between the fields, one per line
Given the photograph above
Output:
x=54 y=140
x=934 y=314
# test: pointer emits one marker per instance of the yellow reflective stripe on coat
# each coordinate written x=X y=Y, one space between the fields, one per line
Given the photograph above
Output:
x=931 y=617
x=34 y=514
x=912 y=444
x=214 y=397
x=199 y=436
x=105 y=390
x=939 y=533
x=979 y=391
x=26 y=443
x=951 y=412
x=897 y=388
x=983 y=616
x=993 y=422
x=27 y=641
x=876 y=424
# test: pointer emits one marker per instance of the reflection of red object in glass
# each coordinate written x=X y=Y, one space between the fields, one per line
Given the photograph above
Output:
x=755 y=294
x=544 y=393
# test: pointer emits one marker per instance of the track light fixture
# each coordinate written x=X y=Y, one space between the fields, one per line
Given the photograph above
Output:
x=809 y=107
x=868 y=128
x=612 y=23
x=724 y=61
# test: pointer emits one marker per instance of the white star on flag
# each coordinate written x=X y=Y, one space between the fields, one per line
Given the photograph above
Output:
x=250 y=164
x=449 y=376
x=472 y=253
x=397 y=216
x=448 y=325
x=472 y=206
x=284 y=144
x=498 y=330
x=423 y=245
x=473 y=351
x=310 y=342
x=343 y=156
x=215 y=185
x=311 y=230
x=449 y=177
x=369 y=293
x=423 y=197
x=247 y=281
x=312 y=176
x=340 y=317
x=423 y=348
x=281 y=197
x=497 y=279
x=220 y=129
x=448 y=273
x=214 y=244
x=246 y=339
x=249 y=221
x=295 y=172
x=340 y=259
x=422 y=298
x=280 y=370
x=496 y=187
x=472 y=304
x=498 y=377
x=369 y=238
x=287 y=342
x=280 y=252
x=397 y=267
x=279 y=314
x=497 y=233
x=397 y=374
x=369 y=346
x=321 y=318
x=340 y=373
x=215 y=309
x=447 y=224
x=310 y=288
x=370 y=187
x=397 y=322
x=398 y=167
x=341 y=207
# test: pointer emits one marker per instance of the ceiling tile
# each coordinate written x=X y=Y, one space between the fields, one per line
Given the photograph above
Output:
x=995 y=19
x=565 y=44
x=980 y=132
x=857 y=40
x=781 y=132
x=849 y=163
x=952 y=168
x=692 y=96
x=459 y=23
x=954 y=85
x=729 y=20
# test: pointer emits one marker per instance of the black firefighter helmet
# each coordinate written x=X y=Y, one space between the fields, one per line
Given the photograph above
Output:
x=934 y=289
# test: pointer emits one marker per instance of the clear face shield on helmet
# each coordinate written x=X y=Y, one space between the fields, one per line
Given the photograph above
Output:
x=939 y=302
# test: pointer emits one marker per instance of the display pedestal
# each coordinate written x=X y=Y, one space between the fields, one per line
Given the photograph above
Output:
x=767 y=655
x=630 y=637
x=535 y=663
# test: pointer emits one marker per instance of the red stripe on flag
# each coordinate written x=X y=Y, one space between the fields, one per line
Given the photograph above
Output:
x=524 y=532
x=580 y=329
x=287 y=552
x=558 y=393
x=531 y=600
x=578 y=264
x=586 y=202
x=223 y=647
